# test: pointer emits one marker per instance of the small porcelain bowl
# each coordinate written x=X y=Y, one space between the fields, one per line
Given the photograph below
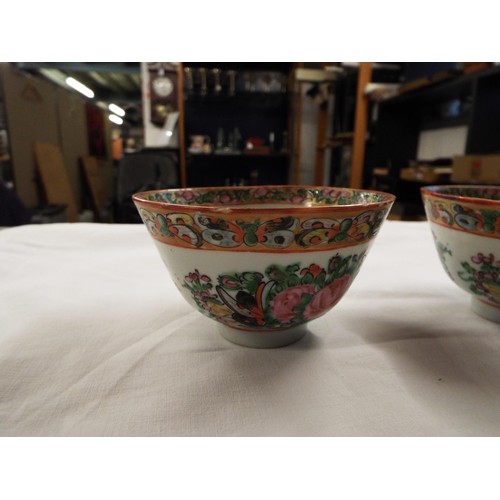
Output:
x=263 y=261
x=465 y=224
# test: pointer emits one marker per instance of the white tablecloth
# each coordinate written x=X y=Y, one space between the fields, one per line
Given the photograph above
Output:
x=95 y=340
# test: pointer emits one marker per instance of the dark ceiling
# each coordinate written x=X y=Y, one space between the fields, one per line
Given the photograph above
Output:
x=118 y=82
x=111 y=82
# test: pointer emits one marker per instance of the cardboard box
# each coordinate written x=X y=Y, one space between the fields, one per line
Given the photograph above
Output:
x=426 y=174
x=476 y=169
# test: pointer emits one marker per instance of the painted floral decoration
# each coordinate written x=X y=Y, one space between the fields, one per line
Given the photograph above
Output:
x=443 y=251
x=263 y=194
x=477 y=213
x=282 y=297
x=278 y=233
x=483 y=275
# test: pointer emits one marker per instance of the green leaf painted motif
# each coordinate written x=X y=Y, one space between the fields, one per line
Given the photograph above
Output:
x=483 y=276
x=277 y=273
x=249 y=229
x=345 y=225
x=319 y=281
x=491 y=220
x=467 y=272
x=307 y=279
x=251 y=281
x=162 y=221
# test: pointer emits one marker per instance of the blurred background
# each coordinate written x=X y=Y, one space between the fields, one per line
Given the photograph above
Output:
x=78 y=138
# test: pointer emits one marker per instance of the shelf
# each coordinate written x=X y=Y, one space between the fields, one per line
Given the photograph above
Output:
x=457 y=87
x=254 y=111
x=281 y=67
x=470 y=100
x=149 y=149
x=339 y=140
x=254 y=102
x=239 y=94
x=220 y=170
x=237 y=155
x=436 y=123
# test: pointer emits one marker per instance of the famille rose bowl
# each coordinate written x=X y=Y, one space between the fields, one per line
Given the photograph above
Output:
x=262 y=261
x=465 y=224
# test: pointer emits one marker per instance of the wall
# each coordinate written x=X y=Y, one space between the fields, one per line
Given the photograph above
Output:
x=442 y=143
x=39 y=111
x=30 y=112
x=308 y=133
x=308 y=138
x=73 y=138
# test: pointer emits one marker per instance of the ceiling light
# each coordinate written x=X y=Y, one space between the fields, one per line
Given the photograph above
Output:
x=115 y=119
x=116 y=110
x=80 y=87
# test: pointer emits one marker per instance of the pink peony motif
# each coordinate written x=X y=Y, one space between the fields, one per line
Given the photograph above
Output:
x=260 y=192
x=283 y=304
x=329 y=193
x=297 y=199
x=225 y=198
x=186 y=195
x=327 y=297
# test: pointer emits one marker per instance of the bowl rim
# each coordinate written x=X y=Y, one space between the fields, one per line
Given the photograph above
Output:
x=435 y=191
x=241 y=209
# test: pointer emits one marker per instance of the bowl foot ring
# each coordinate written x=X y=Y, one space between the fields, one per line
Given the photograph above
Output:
x=486 y=310
x=263 y=340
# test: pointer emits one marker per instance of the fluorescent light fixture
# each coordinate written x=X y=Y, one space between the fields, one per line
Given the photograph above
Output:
x=115 y=119
x=116 y=109
x=80 y=87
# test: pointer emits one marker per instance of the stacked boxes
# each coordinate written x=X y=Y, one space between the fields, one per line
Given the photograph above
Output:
x=476 y=169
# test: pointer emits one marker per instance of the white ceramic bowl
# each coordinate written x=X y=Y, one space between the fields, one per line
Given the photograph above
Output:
x=263 y=261
x=465 y=223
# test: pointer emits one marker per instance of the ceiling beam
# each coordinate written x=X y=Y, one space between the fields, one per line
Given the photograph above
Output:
x=105 y=67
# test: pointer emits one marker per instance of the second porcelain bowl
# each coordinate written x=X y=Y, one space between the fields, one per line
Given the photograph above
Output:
x=465 y=224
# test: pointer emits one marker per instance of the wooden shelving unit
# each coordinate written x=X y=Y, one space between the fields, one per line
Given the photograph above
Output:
x=462 y=100
x=355 y=137
x=360 y=126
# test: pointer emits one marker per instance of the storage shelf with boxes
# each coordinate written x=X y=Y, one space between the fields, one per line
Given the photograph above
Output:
x=476 y=169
